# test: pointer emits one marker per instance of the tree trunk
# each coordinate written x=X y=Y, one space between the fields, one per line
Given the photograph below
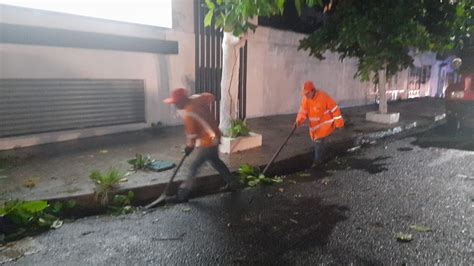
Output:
x=230 y=80
x=383 y=91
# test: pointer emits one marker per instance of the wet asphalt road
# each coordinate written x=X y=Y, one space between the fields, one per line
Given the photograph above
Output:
x=347 y=212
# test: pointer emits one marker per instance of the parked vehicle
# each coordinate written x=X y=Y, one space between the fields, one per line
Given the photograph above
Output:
x=460 y=103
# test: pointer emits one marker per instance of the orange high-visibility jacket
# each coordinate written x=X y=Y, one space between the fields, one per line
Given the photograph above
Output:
x=199 y=124
x=323 y=115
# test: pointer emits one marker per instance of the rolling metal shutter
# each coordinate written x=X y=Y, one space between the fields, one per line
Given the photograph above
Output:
x=30 y=106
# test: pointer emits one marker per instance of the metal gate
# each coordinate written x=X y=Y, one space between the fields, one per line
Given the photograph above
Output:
x=29 y=106
x=208 y=61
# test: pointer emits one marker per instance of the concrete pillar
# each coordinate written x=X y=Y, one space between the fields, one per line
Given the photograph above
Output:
x=230 y=80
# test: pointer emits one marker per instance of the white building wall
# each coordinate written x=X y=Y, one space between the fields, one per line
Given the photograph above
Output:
x=276 y=71
x=275 y=68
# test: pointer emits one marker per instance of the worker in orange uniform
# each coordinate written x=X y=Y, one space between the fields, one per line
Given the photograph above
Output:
x=323 y=114
x=201 y=131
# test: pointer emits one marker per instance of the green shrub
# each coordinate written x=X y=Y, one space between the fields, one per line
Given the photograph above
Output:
x=239 y=128
x=121 y=204
x=141 y=162
x=21 y=218
x=252 y=177
x=105 y=183
x=22 y=213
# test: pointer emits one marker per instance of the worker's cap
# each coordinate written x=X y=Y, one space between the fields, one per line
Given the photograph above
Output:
x=176 y=95
x=308 y=86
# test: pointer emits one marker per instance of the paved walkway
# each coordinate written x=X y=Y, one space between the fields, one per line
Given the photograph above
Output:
x=61 y=170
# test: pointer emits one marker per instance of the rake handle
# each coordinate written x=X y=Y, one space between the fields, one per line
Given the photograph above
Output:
x=279 y=150
x=165 y=191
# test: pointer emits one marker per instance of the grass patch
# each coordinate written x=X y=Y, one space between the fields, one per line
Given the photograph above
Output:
x=141 y=162
x=105 y=183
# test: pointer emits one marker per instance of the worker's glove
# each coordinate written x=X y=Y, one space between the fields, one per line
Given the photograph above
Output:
x=188 y=150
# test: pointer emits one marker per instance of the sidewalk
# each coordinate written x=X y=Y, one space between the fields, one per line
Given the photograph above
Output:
x=61 y=171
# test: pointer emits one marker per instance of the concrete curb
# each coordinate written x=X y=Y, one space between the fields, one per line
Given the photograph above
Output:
x=205 y=185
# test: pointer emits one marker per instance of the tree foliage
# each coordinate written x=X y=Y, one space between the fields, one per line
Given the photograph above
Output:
x=382 y=34
x=235 y=15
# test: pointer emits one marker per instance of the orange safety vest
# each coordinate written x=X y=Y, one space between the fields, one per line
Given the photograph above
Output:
x=323 y=114
x=199 y=124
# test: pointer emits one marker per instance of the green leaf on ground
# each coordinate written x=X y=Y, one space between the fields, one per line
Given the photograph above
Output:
x=34 y=206
x=30 y=182
x=420 y=228
x=56 y=224
x=402 y=237
x=252 y=176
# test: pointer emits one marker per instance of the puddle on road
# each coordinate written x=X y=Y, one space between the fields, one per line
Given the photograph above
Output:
x=371 y=166
x=442 y=137
x=291 y=225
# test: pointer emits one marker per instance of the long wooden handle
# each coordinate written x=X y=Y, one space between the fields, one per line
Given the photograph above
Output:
x=165 y=191
x=174 y=174
x=279 y=150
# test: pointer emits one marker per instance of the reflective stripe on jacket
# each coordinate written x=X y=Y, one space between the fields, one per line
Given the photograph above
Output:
x=323 y=115
x=199 y=124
